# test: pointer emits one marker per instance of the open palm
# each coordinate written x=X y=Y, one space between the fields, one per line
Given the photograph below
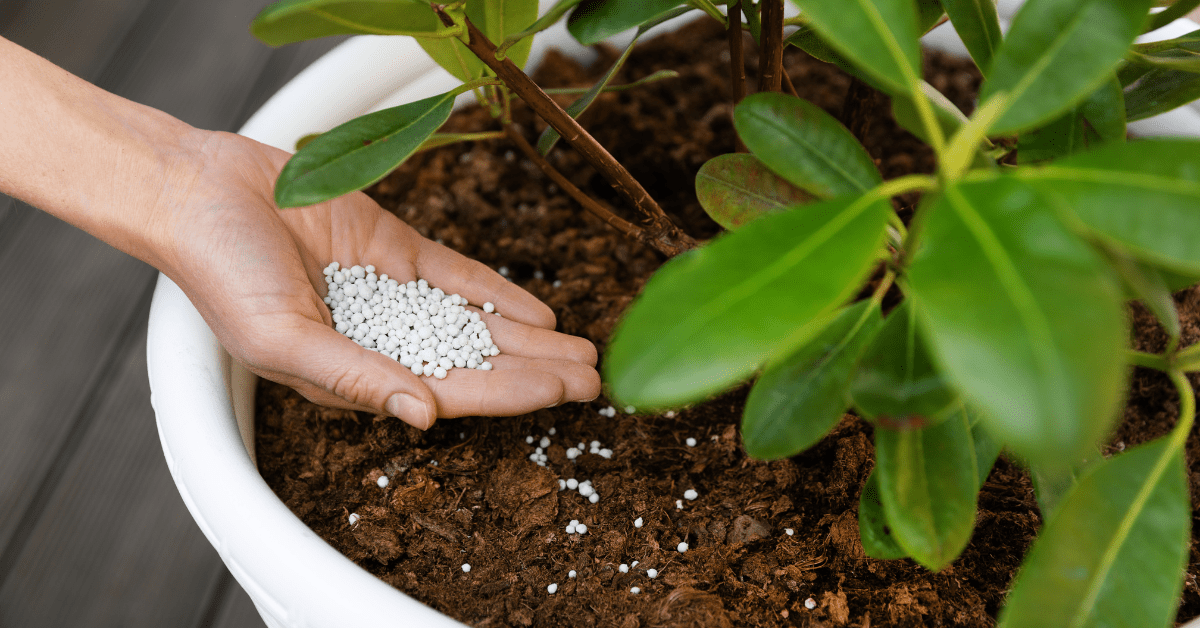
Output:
x=254 y=272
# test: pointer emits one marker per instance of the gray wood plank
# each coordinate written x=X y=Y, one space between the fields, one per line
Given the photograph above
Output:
x=77 y=35
x=115 y=546
x=236 y=610
x=199 y=65
x=69 y=297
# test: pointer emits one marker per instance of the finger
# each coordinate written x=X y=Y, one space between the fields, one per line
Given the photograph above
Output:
x=580 y=382
x=517 y=339
x=361 y=379
x=472 y=392
x=453 y=272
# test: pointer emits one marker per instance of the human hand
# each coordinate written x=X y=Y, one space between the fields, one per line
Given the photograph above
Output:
x=254 y=272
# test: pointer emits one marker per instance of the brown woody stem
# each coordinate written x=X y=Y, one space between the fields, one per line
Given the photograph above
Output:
x=664 y=235
x=737 y=56
x=589 y=203
x=770 y=65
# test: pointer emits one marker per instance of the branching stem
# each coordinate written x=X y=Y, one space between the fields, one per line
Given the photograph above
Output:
x=669 y=239
x=589 y=203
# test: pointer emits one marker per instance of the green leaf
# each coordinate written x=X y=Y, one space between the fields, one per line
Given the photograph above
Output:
x=878 y=541
x=1158 y=91
x=801 y=396
x=1143 y=196
x=711 y=317
x=497 y=19
x=927 y=483
x=896 y=383
x=877 y=36
x=289 y=21
x=737 y=188
x=1113 y=553
x=596 y=20
x=551 y=136
x=798 y=141
x=1056 y=53
x=360 y=152
x=1098 y=120
x=978 y=25
x=1022 y=316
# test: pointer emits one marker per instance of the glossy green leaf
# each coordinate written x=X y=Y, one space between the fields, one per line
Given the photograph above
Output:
x=878 y=541
x=801 y=396
x=928 y=486
x=737 y=188
x=360 y=152
x=877 y=36
x=1098 y=120
x=551 y=135
x=1159 y=90
x=497 y=19
x=289 y=21
x=596 y=20
x=1113 y=553
x=1056 y=54
x=1143 y=196
x=798 y=141
x=904 y=109
x=1022 y=316
x=896 y=383
x=978 y=25
x=710 y=317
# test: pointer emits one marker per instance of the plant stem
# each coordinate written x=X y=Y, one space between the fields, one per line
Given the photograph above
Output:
x=1188 y=359
x=737 y=56
x=770 y=65
x=589 y=203
x=787 y=82
x=1149 y=360
x=667 y=237
x=1187 y=408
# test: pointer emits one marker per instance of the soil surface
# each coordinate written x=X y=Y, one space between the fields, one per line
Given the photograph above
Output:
x=764 y=537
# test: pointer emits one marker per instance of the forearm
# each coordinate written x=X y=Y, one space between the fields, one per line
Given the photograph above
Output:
x=98 y=161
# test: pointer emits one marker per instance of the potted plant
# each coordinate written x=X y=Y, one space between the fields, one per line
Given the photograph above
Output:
x=943 y=396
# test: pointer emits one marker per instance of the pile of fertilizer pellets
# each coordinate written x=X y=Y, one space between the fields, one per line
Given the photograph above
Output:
x=421 y=327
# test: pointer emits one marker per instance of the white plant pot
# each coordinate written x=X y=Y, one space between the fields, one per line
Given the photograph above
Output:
x=204 y=401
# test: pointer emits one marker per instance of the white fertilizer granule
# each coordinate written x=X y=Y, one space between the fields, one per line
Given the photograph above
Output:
x=415 y=324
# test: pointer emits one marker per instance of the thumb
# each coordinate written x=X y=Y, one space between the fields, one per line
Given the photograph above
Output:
x=333 y=370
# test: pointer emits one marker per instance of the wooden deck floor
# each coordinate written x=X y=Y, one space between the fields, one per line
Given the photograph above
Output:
x=92 y=531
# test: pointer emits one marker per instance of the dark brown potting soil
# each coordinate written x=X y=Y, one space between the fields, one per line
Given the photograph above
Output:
x=764 y=537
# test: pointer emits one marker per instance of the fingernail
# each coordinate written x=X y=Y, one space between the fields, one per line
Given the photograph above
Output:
x=410 y=410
